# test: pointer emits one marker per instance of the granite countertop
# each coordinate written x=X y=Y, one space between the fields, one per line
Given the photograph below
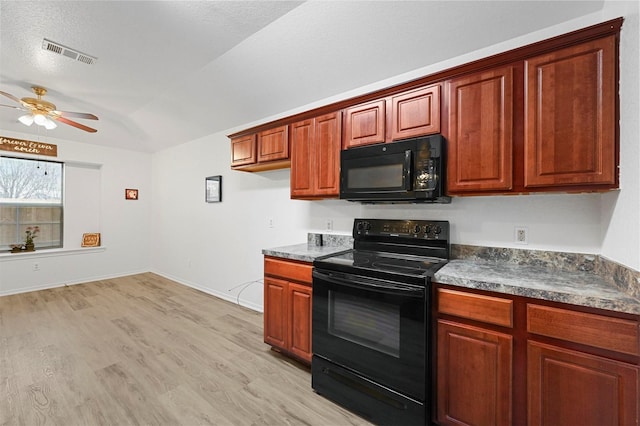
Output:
x=306 y=252
x=539 y=282
x=317 y=245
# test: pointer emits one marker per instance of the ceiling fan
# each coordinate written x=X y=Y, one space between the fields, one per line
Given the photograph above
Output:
x=44 y=113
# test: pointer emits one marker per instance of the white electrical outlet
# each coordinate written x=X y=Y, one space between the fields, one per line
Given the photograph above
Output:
x=36 y=267
x=329 y=226
x=521 y=235
x=271 y=223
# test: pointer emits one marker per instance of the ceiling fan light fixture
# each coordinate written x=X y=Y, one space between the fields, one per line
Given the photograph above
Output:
x=39 y=119
x=26 y=119
x=50 y=124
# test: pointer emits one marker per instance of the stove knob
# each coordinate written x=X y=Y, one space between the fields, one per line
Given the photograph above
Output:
x=363 y=226
x=438 y=229
x=427 y=229
x=416 y=229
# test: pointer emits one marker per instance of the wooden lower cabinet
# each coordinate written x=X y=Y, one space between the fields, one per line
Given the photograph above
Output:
x=510 y=360
x=574 y=388
x=473 y=375
x=287 y=307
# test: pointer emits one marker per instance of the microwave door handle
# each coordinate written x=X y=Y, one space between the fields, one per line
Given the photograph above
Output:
x=388 y=287
x=408 y=162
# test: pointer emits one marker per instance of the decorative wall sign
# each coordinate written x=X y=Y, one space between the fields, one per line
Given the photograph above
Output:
x=213 y=189
x=28 y=147
x=131 y=194
x=91 y=240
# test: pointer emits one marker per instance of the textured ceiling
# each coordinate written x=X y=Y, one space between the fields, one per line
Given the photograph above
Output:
x=172 y=71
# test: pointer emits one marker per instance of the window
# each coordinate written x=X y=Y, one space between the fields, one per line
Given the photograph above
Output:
x=30 y=195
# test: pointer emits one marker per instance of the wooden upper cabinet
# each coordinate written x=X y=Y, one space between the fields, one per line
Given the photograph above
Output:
x=302 y=134
x=570 y=113
x=415 y=113
x=315 y=157
x=243 y=150
x=480 y=131
x=365 y=124
x=273 y=144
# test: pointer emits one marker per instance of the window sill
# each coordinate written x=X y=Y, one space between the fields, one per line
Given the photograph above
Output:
x=5 y=256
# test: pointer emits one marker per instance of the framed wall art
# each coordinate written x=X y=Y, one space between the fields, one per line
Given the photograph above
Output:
x=91 y=240
x=213 y=189
x=131 y=194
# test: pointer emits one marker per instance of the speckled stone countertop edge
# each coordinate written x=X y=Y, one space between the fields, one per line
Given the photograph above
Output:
x=314 y=248
x=573 y=287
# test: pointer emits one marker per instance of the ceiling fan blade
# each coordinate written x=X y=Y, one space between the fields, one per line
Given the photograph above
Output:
x=74 y=124
x=10 y=96
x=13 y=106
x=76 y=114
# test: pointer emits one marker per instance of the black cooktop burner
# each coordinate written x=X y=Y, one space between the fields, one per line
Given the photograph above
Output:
x=403 y=251
x=382 y=265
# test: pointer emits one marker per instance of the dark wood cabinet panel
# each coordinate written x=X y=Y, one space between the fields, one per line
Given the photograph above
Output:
x=300 y=321
x=275 y=308
x=570 y=136
x=302 y=135
x=574 y=388
x=273 y=144
x=315 y=157
x=243 y=150
x=365 y=124
x=480 y=131
x=287 y=307
x=474 y=375
x=415 y=113
x=327 y=154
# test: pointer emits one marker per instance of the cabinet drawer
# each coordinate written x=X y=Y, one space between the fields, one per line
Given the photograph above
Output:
x=491 y=310
x=295 y=271
x=589 y=329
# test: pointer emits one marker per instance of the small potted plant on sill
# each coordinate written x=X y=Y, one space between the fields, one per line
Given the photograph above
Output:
x=31 y=233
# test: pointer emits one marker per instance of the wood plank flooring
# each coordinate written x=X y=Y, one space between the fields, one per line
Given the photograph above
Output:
x=143 y=350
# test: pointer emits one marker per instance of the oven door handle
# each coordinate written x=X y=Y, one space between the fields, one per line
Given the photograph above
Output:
x=379 y=287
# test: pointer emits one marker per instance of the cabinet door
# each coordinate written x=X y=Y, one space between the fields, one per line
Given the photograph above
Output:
x=570 y=116
x=416 y=113
x=572 y=388
x=326 y=164
x=243 y=150
x=365 y=124
x=473 y=382
x=480 y=140
x=302 y=164
x=273 y=144
x=275 y=312
x=300 y=321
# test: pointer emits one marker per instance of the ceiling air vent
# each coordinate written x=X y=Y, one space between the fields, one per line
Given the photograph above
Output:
x=63 y=50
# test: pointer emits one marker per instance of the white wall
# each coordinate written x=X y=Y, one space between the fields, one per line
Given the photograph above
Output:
x=217 y=247
x=124 y=225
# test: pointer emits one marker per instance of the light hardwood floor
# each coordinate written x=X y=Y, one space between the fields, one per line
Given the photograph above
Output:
x=143 y=350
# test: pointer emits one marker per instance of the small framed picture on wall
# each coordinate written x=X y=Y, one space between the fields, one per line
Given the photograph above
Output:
x=213 y=189
x=131 y=194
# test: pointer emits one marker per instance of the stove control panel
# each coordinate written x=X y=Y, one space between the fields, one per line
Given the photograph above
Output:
x=423 y=229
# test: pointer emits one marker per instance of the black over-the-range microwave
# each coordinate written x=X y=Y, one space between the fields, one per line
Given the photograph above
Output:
x=407 y=171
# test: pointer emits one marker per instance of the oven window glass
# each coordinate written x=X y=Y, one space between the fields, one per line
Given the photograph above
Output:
x=366 y=322
x=381 y=176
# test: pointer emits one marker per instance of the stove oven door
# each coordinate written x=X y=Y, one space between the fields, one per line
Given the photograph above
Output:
x=374 y=327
